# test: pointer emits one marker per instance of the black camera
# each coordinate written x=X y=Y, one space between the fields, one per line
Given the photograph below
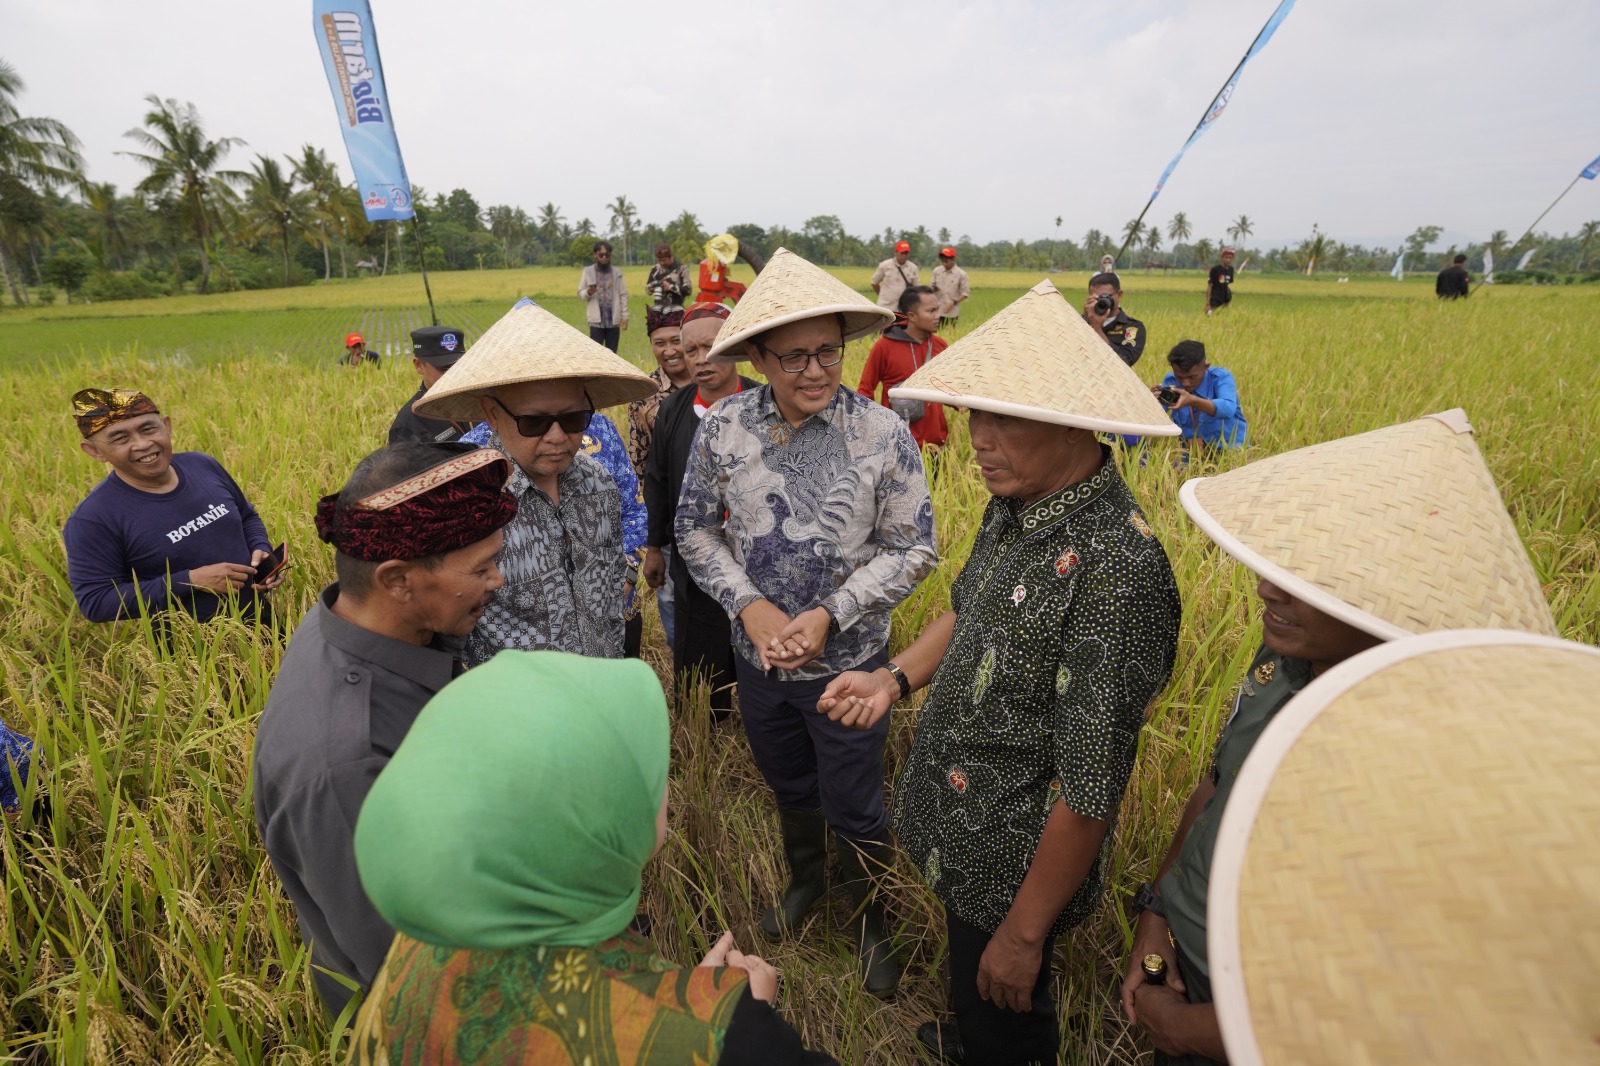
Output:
x=1104 y=304
x=1168 y=396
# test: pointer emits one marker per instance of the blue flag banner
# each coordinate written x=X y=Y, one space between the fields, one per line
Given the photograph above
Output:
x=349 y=45
x=1591 y=171
x=1399 y=271
x=1220 y=104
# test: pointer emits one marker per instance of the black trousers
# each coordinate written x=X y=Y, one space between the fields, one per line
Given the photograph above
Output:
x=809 y=761
x=702 y=639
x=610 y=336
x=991 y=1035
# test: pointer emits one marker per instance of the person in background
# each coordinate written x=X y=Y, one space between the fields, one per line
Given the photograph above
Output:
x=895 y=275
x=901 y=352
x=701 y=636
x=672 y=373
x=1453 y=281
x=668 y=281
x=1102 y=309
x=415 y=531
x=162 y=531
x=605 y=292
x=716 y=285
x=356 y=353
x=1219 y=283
x=514 y=946
x=1108 y=264
x=950 y=282
x=434 y=349
x=1202 y=399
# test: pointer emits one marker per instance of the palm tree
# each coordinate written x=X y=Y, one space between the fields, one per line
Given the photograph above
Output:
x=1241 y=228
x=273 y=207
x=111 y=222
x=509 y=224
x=585 y=228
x=181 y=157
x=34 y=153
x=623 y=217
x=1586 y=235
x=324 y=192
x=1152 y=238
x=1497 y=243
x=1203 y=251
x=1132 y=232
x=1179 y=229
x=550 y=225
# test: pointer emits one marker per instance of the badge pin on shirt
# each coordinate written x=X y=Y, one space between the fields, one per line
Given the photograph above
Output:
x=1019 y=594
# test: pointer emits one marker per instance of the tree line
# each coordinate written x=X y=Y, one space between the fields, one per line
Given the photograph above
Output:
x=193 y=223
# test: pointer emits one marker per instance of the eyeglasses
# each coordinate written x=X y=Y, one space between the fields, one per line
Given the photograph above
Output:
x=535 y=426
x=796 y=362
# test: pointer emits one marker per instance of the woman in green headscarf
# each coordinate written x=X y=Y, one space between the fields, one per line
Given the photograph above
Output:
x=504 y=842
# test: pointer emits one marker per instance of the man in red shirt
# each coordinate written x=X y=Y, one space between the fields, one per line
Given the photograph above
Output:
x=899 y=353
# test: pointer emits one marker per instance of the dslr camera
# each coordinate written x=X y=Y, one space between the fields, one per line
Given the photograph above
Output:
x=1104 y=304
x=1168 y=396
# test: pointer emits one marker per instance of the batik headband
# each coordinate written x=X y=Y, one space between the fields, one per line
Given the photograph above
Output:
x=448 y=506
x=95 y=409
x=706 y=310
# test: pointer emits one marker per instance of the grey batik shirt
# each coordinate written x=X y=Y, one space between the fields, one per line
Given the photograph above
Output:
x=563 y=566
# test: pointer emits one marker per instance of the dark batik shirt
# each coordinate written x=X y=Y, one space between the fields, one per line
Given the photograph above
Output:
x=1066 y=627
x=1272 y=681
x=563 y=566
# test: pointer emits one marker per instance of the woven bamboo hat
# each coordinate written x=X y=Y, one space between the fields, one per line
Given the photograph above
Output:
x=790 y=289
x=1038 y=359
x=1396 y=531
x=531 y=344
x=1408 y=867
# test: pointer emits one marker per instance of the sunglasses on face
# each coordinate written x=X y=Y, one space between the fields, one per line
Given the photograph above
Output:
x=535 y=426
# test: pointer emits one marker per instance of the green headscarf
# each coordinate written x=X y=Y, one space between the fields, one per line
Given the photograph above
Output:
x=521 y=807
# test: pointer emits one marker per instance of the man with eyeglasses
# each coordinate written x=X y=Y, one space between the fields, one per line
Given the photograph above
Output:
x=805 y=514
x=537 y=382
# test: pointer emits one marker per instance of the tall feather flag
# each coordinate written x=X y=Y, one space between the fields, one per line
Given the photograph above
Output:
x=1398 y=273
x=1522 y=264
x=1488 y=266
x=348 y=41
x=1218 y=104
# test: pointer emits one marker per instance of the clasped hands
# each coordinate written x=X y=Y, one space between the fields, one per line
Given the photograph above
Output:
x=782 y=642
x=763 y=976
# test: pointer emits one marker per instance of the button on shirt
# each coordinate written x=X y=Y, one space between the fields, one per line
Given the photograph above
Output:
x=1272 y=681
x=563 y=566
x=1066 y=628
x=833 y=512
x=344 y=699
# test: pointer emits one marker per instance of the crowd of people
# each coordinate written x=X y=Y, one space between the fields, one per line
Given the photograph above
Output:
x=491 y=560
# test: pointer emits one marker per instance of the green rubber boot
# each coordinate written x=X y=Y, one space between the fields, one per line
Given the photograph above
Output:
x=805 y=845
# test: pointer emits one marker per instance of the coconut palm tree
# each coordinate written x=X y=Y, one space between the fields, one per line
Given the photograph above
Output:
x=1131 y=232
x=35 y=153
x=1179 y=229
x=325 y=195
x=551 y=223
x=111 y=223
x=1204 y=250
x=1242 y=227
x=181 y=157
x=274 y=207
x=624 y=218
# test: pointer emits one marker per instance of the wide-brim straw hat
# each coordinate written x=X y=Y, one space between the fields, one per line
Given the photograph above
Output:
x=1408 y=867
x=531 y=344
x=1396 y=531
x=1039 y=360
x=790 y=289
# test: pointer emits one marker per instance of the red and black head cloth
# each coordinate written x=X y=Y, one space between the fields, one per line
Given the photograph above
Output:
x=705 y=309
x=457 y=502
x=660 y=318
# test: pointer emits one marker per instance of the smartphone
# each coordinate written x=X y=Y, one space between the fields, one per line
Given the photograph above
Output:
x=269 y=567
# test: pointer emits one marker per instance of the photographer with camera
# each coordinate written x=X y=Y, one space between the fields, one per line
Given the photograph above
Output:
x=1202 y=399
x=1103 y=311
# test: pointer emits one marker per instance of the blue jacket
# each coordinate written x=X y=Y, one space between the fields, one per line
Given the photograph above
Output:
x=1228 y=427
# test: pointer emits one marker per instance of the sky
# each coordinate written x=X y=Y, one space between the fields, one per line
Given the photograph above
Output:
x=1367 y=118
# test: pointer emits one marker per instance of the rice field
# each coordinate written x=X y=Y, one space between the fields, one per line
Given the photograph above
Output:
x=142 y=922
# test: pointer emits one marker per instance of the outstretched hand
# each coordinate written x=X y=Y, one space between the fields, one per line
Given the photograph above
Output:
x=857 y=699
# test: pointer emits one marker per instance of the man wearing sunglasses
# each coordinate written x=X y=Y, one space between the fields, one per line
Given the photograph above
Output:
x=805 y=514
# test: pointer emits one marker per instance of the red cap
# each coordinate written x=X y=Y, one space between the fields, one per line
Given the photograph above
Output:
x=903 y=246
x=947 y=253
x=353 y=340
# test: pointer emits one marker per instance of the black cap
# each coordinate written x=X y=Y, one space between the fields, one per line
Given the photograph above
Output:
x=438 y=346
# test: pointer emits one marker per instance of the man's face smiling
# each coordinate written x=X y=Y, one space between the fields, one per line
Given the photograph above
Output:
x=1293 y=628
x=138 y=450
x=799 y=396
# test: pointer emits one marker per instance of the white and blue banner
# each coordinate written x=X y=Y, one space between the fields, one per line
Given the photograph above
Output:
x=1398 y=273
x=349 y=45
x=1219 y=104
x=1522 y=264
x=1591 y=171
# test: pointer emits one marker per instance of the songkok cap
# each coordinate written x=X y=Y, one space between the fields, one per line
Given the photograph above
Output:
x=459 y=501
x=95 y=409
x=1408 y=861
x=439 y=346
x=902 y=246
x=791 y=290
x=353 y=339
x=530 y=344
x=1038 y=359
x=1396 y=531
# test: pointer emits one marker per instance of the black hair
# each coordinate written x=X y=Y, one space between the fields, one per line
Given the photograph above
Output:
x=383 y=469
x=1186 y=355
x=910 y=298
x=662 y=248
x=1459 y=259
x=1106 y=278
x=753 y=342
x=599 y=245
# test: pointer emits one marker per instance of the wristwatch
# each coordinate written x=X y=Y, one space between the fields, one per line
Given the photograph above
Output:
x=900 y=676
x=1148 y=899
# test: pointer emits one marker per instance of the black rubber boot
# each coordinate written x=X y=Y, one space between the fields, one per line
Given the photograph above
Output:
x=805 y=845
x=861 y=862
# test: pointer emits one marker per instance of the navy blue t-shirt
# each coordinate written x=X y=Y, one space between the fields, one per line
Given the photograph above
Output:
x=120 y=537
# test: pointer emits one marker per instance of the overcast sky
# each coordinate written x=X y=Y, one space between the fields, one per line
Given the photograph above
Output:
x=1368 y=117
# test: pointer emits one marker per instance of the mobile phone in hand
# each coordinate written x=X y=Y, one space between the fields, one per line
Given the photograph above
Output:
x=268 y=568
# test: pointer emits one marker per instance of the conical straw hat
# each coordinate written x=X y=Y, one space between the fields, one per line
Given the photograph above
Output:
x=1396 y=531
x=531 y=344
x=1038 y=359
x=789 y=289
x=1408 y=868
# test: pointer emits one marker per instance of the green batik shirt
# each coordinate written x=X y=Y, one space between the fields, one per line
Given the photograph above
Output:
x=1270 y=683
x=1066 y=627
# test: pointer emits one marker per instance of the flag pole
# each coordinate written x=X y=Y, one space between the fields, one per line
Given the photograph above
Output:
x=422 y=262
x=1534 y=225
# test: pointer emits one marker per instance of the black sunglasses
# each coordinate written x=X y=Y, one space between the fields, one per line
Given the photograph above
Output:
x=535 y=426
